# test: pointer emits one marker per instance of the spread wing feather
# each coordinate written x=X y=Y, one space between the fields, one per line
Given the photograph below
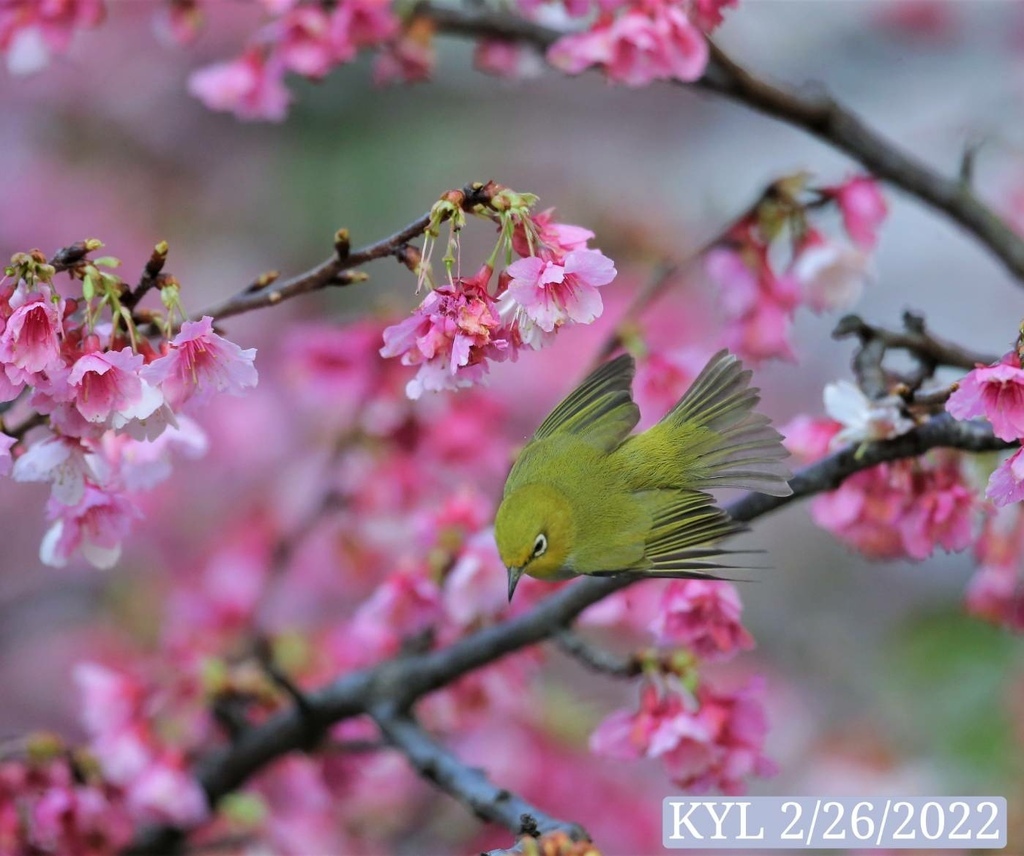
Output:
x=600 y=409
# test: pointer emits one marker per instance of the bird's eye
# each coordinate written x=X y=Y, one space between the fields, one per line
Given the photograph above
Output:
x=540 y=545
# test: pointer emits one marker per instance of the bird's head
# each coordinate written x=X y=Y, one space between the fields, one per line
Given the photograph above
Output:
x=535 y=531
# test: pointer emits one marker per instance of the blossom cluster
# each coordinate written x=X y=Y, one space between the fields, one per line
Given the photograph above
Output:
x=634 y=42
x=773 y=260
x=908 y=508
x=705 y=738
x=637 y=43
x=462 y=326
x=54 y=802
x=101 y=408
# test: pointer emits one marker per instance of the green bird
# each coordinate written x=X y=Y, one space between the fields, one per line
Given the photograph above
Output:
x=587 y=497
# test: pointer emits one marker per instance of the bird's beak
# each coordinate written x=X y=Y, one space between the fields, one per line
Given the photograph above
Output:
x=513 y=580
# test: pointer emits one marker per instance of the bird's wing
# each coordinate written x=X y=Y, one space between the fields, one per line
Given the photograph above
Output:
x=686 y=529
x=600 y=410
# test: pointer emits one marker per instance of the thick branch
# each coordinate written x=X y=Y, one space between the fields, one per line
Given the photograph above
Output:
x=398 y=683
x=468 y=785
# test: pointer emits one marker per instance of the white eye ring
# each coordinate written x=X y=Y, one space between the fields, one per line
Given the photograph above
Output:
x=540 y=546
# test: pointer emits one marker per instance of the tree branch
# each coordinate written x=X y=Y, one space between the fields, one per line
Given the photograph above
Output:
x=467 y=784
x=821 y=116
x=398 y=683
x=332 y=271
x=824 y=117
x=594 y=658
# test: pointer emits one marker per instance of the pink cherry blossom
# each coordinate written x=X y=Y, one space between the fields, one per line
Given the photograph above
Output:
x=865 y=510
x=713 y=741
x=901 y=509
x=863 y=208
x=1006 y=484
x=758 y=304
x=504 y=59
x=199 y=363
x=996 y=593
x=165 y=793
x=30 y=340
x=251 y=87
x=809 y=438
x=553 y=294
x=94 y=526
x=543 y=237
x=105 y=382
x=995 y=392
x=403 y=606
x=80 y=819
x=707 y=14
x=451 y=335
x=408 y=59
x=363 y=24
x=942 y=513
x=45 y=807
x=304 y=41
x=639 y=46
x=111 y=699
x=704 y=616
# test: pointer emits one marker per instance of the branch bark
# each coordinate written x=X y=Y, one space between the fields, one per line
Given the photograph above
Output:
x=467 y=784
x=397 y=684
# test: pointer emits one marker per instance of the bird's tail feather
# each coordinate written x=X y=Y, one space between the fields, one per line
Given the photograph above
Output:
x=738 y=448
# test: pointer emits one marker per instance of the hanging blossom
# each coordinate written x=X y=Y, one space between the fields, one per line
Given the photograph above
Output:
x=108 y=402
x=708 y=741
x=461 y=327
x=773 y=260
x=636 y=43
x=703 y=616
x=996 y=392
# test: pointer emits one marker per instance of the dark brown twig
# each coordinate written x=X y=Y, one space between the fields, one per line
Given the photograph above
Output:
x=595 y=658
x=467 y=784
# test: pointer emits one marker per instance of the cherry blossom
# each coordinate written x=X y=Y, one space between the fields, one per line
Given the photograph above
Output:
x=199 y=363
x=863 y=208
x=712 y=741
x=450 y=336
x=1006 y=484
x=553 y=294
x=995 y=392
x=703 y=616
x=251 y=86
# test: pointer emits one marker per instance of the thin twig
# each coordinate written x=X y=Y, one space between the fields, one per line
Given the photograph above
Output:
x=595 y=658
x=467 y=784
